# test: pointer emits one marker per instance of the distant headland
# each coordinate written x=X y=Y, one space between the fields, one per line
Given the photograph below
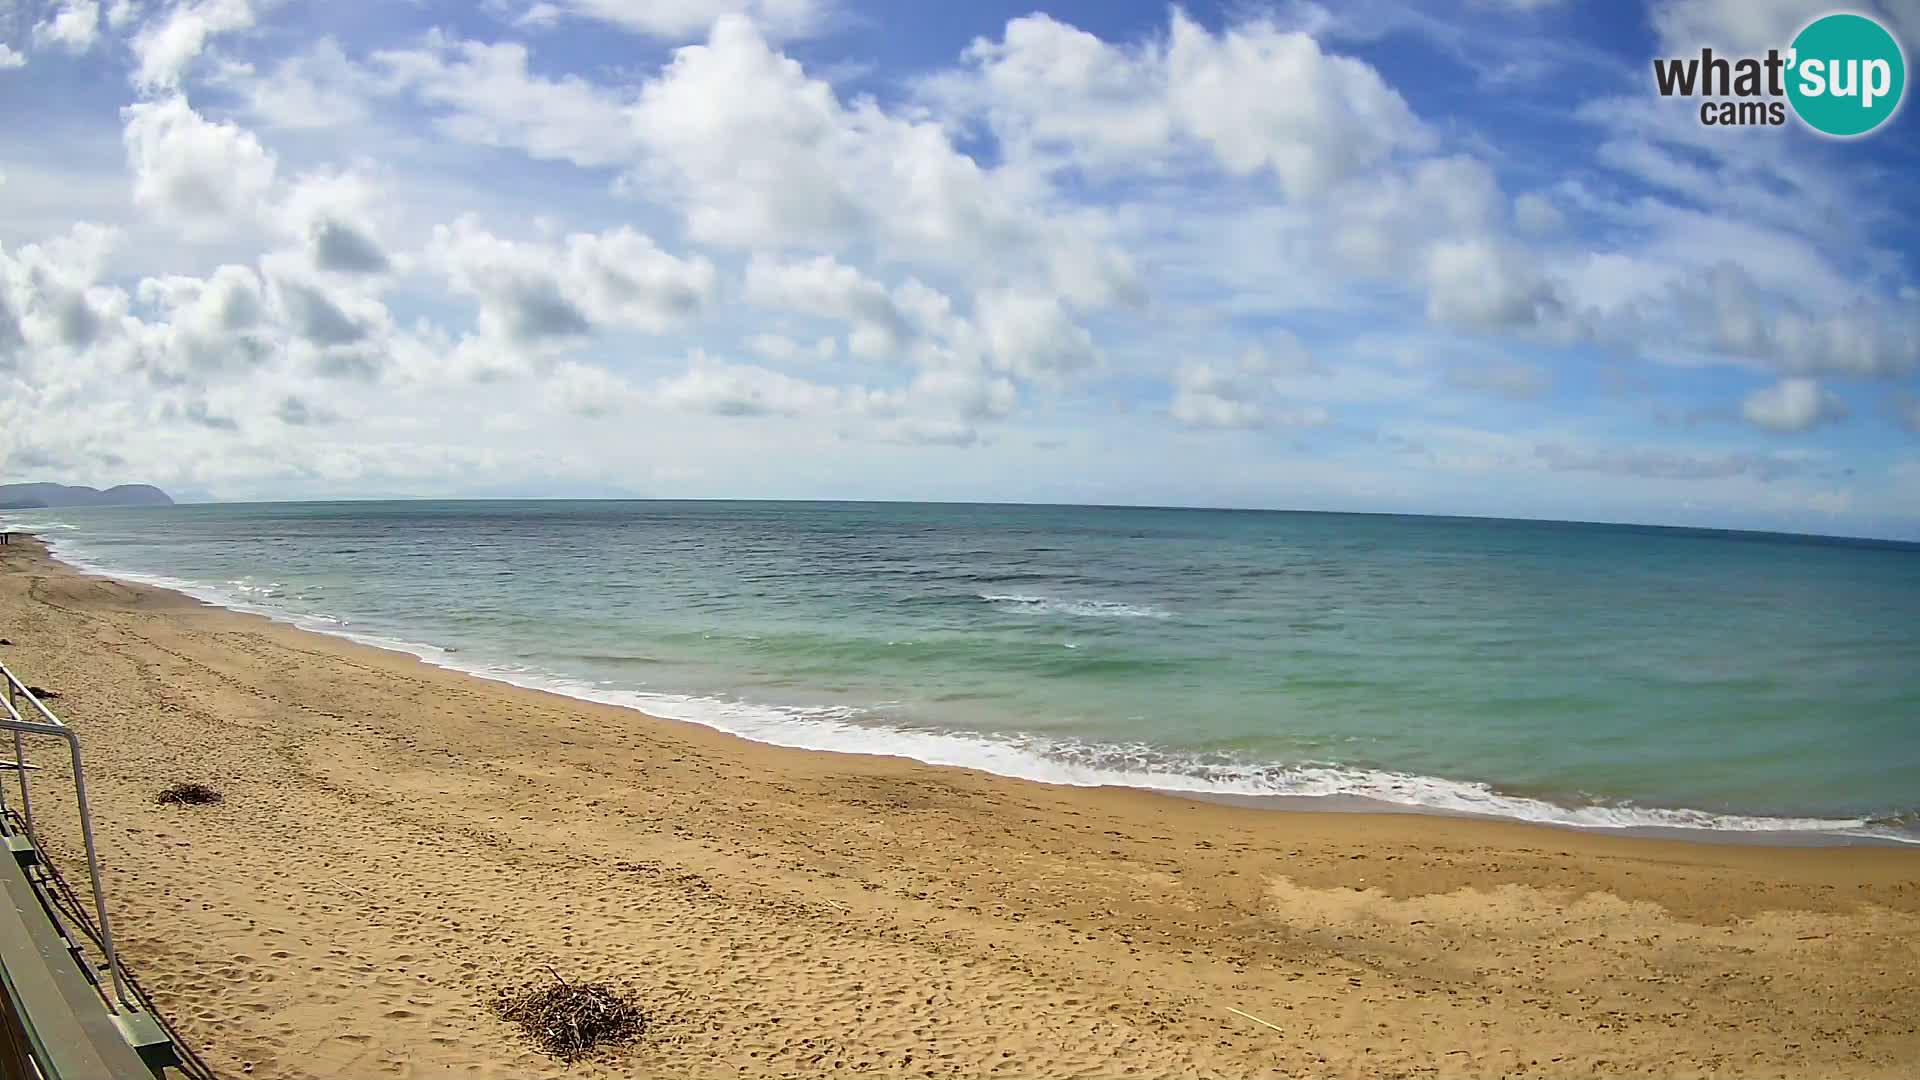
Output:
x=31 y=496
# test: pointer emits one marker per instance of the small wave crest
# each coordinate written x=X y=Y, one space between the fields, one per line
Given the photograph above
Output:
x=1089 y=609
x=844 y=729
x=240 y=594
x=847 y=729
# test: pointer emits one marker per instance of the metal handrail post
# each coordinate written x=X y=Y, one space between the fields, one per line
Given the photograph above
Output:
x=20 y=756
x=93 y=870
x=53 y=726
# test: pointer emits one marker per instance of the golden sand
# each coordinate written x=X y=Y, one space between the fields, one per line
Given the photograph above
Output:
x=398 y=841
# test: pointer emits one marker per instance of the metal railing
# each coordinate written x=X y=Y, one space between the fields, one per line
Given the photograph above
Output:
x=45 y=723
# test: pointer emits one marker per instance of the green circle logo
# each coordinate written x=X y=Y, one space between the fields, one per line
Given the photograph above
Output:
x=1846 y=75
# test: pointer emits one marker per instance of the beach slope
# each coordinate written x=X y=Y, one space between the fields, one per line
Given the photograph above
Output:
x=398 y=842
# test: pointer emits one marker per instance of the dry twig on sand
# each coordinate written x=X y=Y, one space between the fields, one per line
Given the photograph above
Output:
x=571 y=1022
x=189 y=795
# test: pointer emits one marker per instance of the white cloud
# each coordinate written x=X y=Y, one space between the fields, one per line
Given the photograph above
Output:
x=825 y=287
x=493 y=99
x=307 y=91
x=682 y=20
x=783 y=349
x=1254 y=98
x=626 y=280
x=1385 y=225
x=11 y=59
x=1740 y=27
x=1246 y=392
x=1484 y=284
x=1535 y=213
x=1792 y=405
x=757 y=154
x=333 y=216
x=1034 y=336
x=534 y=293
x=53 y=309
x=166 y=47
x=584 y=390
x=322 y=317
x=746 y=390
x=1207 y=396
x=1063 y=246
x=970 y=395
x=1870 y=339
x=208 y=328
x=73 y=25
x=192 y=173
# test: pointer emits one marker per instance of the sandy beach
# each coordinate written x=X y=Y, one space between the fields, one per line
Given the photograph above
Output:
x=398 y=842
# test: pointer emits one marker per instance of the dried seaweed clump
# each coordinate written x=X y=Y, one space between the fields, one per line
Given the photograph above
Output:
x=190 y=795
x=571 y=1022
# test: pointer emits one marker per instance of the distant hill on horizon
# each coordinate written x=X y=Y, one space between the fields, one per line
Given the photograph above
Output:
x=31 y=496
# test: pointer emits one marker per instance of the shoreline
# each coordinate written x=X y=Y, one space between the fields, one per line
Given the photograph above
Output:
x=398 y=841
x=1790 y=833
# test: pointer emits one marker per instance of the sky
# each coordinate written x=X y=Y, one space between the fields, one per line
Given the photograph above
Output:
x=1381 y=255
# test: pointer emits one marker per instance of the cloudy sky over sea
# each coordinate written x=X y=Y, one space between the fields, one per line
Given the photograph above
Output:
x=1380 y=255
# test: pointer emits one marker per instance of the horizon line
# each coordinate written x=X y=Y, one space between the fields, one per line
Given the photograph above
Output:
x=1904 y=542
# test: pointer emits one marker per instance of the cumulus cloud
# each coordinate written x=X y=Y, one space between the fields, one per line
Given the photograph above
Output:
x=1245 y=393
x=1870 y=338
x=1537 y=214
x=588 y=391
x=308 y=91
x=206 y=328
x=1034 y=336
x=9 y=58
x=825 y=287
x=52 y=305
x=1254 y=98
x=680 y=20
x=758 y=154
x=489 y=97
x=192 y=173
x=296 y=411
x=318 y=317
x=333 y=216
x=535 y=292
x=1739 y=27
x=1206 y=396
x=1058 y=240
x=73 y=25
x=780 y=348
x=167 y=46
x=968 y=395
x=1483 y=284
x=1792 y=405
x=746 y=390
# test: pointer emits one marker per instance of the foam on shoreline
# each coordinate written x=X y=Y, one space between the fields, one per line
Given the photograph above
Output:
x=842 y=729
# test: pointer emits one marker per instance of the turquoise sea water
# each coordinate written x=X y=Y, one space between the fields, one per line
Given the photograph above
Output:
x=1604 y=676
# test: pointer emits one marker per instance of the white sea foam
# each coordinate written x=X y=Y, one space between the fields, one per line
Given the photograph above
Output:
x=844 y=729
x=1091 y=609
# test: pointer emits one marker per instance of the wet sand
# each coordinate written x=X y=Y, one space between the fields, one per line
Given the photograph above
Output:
x=399 y=841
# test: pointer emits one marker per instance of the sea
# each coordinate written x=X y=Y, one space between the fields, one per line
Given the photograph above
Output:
x=1711 y=684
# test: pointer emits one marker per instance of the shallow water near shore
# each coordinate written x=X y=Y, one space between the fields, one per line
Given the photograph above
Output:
x=1600 y=676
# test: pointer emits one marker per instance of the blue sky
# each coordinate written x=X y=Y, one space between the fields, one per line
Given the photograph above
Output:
x=1437 y=258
